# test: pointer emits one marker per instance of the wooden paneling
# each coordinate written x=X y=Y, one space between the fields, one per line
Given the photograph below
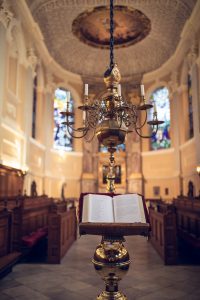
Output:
x=188 y=221
x=5 y=232
x=11 y=181
x=61 y=234
x=7 y=257
x=163 y=233
x=30 y=216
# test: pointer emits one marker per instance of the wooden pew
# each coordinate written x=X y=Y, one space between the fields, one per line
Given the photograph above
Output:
x=9 y=203
x=7 y=257
x=28 y=219
x=38 y=213
x=62 y=232
x=163 y=232
x=188 y=220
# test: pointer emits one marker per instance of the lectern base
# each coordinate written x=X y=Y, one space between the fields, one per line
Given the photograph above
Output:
x=111 y=262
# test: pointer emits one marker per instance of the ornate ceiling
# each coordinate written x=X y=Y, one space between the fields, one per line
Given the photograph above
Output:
x=93 y=27
x=147 y=41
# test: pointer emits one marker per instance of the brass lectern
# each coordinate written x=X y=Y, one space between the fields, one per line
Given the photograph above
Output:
x=111 y=259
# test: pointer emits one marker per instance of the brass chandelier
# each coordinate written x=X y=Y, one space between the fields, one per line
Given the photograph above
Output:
x=111 y=117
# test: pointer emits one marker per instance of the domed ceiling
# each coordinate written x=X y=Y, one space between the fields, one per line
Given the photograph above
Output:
x=76 y=33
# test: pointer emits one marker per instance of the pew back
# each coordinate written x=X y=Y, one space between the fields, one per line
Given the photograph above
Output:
x=163 y=233
x=188 y=220
x=29 y=217
x=61 y=234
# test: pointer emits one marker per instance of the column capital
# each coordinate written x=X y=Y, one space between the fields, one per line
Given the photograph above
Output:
x=6 y=15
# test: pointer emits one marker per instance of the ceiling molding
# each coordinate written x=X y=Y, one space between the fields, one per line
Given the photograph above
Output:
x=36 y=35
x=55 y=20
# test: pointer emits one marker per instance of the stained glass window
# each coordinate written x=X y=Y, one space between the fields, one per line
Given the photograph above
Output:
x=62 y=139
x=161 y=140
x=190 y=110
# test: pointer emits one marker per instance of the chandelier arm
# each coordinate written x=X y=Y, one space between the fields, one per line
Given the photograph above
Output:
x=76 y=130
x=88 y=141
x=119 y=119
x=144 y=121
x=92 y=120
x=133 y=117
x=147 y=136
x=77 y=137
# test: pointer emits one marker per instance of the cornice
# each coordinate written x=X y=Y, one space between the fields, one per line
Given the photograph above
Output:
x=31 y=26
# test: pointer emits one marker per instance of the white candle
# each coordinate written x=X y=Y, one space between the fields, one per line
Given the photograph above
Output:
x=86 y=89
x=84 y=115
x=142 y=89
x=68 y=97
x=119 y=90
x=155 y=108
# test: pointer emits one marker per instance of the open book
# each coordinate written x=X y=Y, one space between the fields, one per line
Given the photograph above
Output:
x=126 y=208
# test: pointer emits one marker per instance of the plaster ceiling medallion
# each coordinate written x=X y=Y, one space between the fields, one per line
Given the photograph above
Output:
x=130 y=27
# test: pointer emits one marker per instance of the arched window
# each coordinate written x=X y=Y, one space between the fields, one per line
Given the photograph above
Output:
x=160 y=98
x=190 y=109
x=62 y=139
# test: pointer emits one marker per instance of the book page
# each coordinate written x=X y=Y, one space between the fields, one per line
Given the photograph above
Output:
x=97 y=209
x=128 y=209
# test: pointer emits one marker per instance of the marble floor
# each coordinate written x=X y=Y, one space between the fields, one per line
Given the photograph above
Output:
x=75 y=278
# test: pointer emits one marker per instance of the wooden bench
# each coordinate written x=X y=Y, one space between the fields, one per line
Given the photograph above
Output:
x=29 y=217
x=163 y=232
x=62 y=232
x=188 y=221
x=9 y=203
x=30 y=222
x=7 y=257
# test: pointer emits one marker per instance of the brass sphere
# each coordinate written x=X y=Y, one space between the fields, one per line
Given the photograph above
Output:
x=110 y=134
x=111 y=259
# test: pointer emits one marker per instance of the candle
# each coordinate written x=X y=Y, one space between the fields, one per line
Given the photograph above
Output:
x=155 y=109
x=142 y=89
x=84 y=115
x=68 y=97
x=119 y=90
x=86 y=89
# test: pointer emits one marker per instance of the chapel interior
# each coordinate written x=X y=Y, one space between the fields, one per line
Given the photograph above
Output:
x=52 y=52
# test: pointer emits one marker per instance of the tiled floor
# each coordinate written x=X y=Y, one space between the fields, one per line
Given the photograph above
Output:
x=75 y=278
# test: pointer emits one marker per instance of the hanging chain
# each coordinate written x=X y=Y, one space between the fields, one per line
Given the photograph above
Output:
x=111 y=35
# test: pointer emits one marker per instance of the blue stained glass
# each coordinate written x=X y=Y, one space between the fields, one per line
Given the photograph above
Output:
x=161 y=140
x=62 y=139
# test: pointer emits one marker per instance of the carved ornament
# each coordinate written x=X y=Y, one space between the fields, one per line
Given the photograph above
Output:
x=5 y=14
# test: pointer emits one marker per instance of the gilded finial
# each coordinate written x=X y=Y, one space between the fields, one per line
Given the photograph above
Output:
x=112 y=76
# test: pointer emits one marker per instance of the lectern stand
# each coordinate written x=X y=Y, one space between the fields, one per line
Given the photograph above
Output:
x=111 y=259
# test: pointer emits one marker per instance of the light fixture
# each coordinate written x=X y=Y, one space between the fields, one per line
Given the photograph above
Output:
x=198 y=170
x=111 y=117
